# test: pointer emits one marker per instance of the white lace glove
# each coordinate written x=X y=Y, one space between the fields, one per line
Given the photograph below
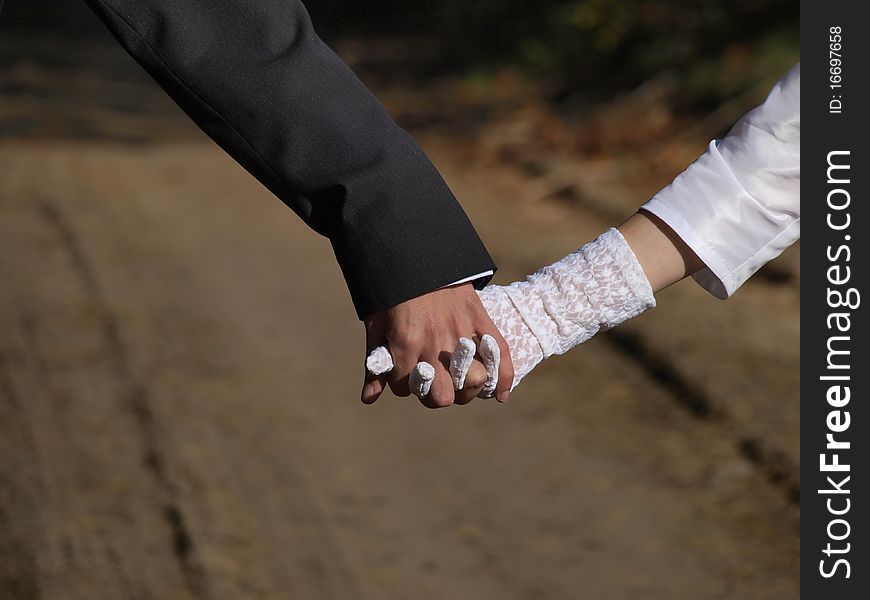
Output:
x=560 y=306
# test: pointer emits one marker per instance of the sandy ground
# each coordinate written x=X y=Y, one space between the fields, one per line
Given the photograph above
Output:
x=179 y=374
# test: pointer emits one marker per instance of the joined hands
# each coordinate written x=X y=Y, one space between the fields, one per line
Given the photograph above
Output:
x=556 y=308
x=426 y=329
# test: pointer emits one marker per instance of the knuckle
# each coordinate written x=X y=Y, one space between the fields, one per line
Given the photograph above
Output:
x=475 y=379
x=406 y=339
x=441 y=400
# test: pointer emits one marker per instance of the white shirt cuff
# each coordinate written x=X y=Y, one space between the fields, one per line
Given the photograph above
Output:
x=489 y=273
x=738 y=205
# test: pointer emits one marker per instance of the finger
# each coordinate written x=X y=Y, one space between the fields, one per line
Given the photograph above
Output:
x=373 y=387
x=420 y=380
x=490 y=354
x=441 y=393
x=474 y=382
x=399 y=376
x=505 y=371
x=461 y=361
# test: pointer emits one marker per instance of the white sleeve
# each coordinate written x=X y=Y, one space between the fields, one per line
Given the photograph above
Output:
x=738 y=205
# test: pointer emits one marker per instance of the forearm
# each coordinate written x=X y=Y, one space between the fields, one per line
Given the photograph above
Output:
x=663 y=255
x=257 y=79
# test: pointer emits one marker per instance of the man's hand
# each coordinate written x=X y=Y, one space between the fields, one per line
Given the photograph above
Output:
x=426 y=329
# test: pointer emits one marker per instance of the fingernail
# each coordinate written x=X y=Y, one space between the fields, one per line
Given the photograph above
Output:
x=503 y=397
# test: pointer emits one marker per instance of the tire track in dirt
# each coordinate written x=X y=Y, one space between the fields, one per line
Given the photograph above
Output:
x=211 y=483
x=774 y=464
x=136 y=397
x=19 y=570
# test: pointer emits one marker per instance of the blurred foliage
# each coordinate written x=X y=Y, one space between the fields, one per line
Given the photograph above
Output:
x=577 y=50
x=586 y=50
x=716 y=48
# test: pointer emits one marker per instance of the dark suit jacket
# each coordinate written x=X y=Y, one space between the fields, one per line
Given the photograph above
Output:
x=257 y=79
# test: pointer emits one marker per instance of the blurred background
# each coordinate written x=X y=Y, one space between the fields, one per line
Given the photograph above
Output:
x=180 y=363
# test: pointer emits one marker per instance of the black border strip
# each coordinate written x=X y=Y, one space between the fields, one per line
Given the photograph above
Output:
x=834 y=261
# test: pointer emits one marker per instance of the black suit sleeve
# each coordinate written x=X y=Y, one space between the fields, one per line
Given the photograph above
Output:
x=257 y=79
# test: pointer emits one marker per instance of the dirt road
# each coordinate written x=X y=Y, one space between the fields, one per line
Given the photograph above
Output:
x=179 y=373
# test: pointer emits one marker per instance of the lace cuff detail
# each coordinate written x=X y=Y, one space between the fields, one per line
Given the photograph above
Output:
x=562 y=305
